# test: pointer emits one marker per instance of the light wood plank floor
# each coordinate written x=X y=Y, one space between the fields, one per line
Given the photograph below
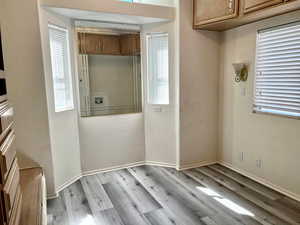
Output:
x=148 y=195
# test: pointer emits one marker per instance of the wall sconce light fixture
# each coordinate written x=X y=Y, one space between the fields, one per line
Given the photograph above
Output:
x=241 y=71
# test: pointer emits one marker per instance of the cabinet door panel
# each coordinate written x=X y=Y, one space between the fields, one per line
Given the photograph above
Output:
x=130 y=44
x=8 y=153
x=254 y=5
x=209 y=11
x=110 y=45
x=92 y=44
x=11 y=189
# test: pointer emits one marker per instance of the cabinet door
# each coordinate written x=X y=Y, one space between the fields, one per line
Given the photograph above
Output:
x=91 y=44
x=110 y=45
x=254 y=5
x=209 y=11
x=130 y=44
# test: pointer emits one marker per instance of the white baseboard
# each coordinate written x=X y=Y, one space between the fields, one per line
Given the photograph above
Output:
x=108 y=169
x=195 y=165
x=68 y=183
x=113 y=168
x=262 y=181
x=162 y=164
x=52 y=196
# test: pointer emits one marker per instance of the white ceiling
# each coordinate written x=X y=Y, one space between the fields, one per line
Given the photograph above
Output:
x=104 y=17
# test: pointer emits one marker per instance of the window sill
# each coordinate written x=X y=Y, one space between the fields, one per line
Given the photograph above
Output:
x=64 y=109
x=277 y=115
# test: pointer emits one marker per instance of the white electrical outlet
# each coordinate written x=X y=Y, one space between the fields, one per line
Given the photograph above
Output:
x=242 y=156
x=259 y=163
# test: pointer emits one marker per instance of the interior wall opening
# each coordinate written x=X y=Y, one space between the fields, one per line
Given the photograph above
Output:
x=109 y=71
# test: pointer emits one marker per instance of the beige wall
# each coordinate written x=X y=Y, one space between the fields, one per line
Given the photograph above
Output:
x=199 y=75
x=111 y=77
x=111 y=141
x=272 y=139
x=26 y=85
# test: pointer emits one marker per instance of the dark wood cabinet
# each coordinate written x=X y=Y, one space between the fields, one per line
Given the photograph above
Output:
x=210 y=11
x=255 y=5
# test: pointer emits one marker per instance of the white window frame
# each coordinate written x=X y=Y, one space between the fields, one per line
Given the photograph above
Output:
x=275 y=112
x=148 y=36
x=68 y=77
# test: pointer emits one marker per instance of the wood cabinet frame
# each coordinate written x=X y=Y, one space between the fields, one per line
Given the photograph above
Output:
x=233 y=14
x=261 y=11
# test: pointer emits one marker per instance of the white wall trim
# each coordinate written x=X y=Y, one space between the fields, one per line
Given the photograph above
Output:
x=195 y=165
x=108 y=169
x=113 y=168
x=68 y=183
x=262 y=181
x=162 y=164
x=52 y=196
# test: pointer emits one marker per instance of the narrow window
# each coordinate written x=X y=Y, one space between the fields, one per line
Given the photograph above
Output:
x=61 y=72
x=158 y=69
x=277 y=83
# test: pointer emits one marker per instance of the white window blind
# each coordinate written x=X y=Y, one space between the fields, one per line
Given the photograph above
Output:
x=277 y=85
x=158 y=69
x=61 y=72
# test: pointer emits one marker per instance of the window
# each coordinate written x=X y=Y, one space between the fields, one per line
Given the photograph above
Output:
x=277 y=84
x=158 y=69
x=61 y=72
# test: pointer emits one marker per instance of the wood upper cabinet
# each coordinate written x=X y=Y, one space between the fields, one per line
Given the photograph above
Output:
x=130 y=44
x=110 y=45
x=210 y=11
x=255 y=5
x=220 y=15
x=98 y=44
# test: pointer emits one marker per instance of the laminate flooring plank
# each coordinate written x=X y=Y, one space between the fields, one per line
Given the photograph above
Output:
x=143 y=200
x=160 y=217
x=249 y=194
x=208 y=221
x=124 y=205
x=170 y=201
x=147 y=195
x=289 y=203
x=57 y=212
x=95 y=193
x=78 y=209
x=104 y=177
x=107 y=217
x=227 y=182
x=263 y=190
x=217 y=210
x=257 y=213
x=182 y=193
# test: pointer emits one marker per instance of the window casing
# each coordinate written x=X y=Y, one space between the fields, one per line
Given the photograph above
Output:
x=158 y=69
x=61 y=68
x=277 y=82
